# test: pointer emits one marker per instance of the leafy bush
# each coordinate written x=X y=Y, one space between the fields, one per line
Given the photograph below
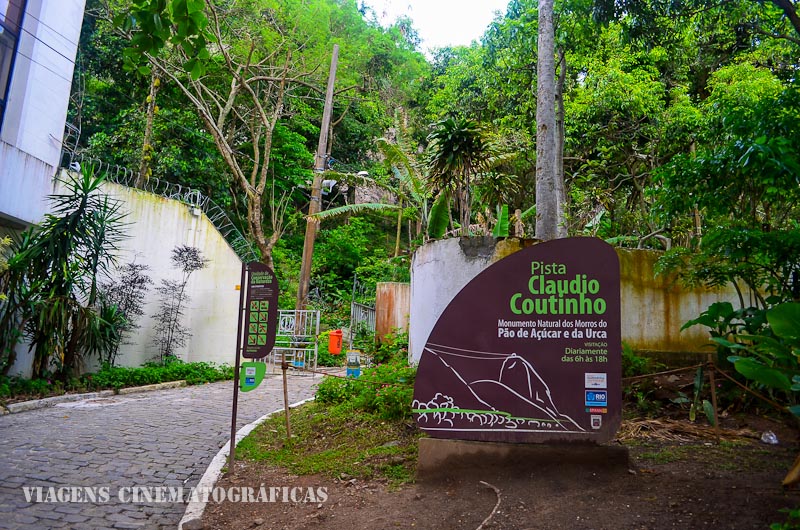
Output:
x=632 y=364
x=116 y=377
x=11 y=387
x=770 y=357
x=152 y=373
x=393 y=347
x=170 y=332
x=386 y=390
x=792 y=520
x=50 y=285
x=333 y=390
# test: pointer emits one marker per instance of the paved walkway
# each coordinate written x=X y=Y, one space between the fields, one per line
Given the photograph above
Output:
x=152 y=439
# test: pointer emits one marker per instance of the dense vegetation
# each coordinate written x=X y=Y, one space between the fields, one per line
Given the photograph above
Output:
x=677 y=130
x=678 y=120
x=113 y=378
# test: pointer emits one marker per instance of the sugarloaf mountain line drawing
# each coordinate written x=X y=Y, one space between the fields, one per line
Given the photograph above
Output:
x=528 y=403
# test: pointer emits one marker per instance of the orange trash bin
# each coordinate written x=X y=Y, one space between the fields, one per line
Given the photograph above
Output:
x=335 y=342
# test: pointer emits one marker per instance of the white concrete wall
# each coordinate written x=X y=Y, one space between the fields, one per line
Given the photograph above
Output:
x=653 y=308
x=157 y=226
x=33 y=125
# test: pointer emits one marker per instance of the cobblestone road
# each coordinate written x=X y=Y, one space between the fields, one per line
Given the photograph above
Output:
x=151 y=439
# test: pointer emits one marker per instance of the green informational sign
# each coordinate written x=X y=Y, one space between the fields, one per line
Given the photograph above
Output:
x=251 y=373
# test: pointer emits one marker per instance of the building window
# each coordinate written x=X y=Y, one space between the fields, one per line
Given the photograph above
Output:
x=11 y=12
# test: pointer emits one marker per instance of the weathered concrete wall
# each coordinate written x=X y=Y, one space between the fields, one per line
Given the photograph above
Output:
x=439 y=270
x=392 y=306
x=653 y=308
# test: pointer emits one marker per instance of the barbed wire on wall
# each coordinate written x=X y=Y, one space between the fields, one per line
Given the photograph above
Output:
x=191 y=197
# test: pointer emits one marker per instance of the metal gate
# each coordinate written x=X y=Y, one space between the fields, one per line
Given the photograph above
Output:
x=362 y=310
x=296 y=341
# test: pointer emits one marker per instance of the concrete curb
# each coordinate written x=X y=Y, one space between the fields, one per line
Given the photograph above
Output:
x=193 y=516
x=24 y=406
x=149 y=388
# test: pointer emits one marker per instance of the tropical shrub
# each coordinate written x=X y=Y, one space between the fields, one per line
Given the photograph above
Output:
x=127 y=293
x=51 y=284
x=770 y=357
x=170 y=333
x=385 y=390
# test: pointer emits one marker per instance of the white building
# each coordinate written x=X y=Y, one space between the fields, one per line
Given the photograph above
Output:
x=38 y=45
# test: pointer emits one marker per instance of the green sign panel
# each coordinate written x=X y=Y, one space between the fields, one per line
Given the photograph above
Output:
x=251 y=373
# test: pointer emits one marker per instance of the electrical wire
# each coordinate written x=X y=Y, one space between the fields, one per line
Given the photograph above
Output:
x=38 y=39
x=45 y=67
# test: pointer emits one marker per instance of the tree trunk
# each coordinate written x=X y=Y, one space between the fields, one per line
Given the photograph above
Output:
x=561 y=192
x=464 y=210
x=399 y=228
x=547 y=204
x=147 y=148
x=254 y=216
x=791 y=13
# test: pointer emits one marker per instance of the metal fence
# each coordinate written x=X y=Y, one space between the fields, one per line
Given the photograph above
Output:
x=362 y=319
x=362 y=310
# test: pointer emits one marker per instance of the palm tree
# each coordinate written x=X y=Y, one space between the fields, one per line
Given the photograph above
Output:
x=409 y=173
x=410 y=189
x=459 y=149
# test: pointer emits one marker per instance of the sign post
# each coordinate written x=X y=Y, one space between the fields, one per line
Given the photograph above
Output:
x=258 y=311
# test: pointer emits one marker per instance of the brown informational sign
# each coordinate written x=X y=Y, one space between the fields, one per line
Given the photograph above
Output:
x=261 y=310
x=529 y=351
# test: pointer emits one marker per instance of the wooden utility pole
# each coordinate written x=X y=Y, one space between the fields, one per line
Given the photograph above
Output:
x=316 y=186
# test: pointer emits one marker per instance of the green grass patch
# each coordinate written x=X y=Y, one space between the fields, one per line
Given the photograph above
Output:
x=337 y=440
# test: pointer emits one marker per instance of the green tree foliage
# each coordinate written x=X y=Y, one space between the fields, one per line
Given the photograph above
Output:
x=747 y=161
x=679 y=123
x=635 y=79
x=196 y=145
x=108 y=106
x=339 y=252
x=744 y=180
x=52 y=281
x=410 y=175
x=5 y=243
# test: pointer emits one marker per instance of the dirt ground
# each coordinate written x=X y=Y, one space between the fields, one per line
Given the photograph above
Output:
x=676 y=479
